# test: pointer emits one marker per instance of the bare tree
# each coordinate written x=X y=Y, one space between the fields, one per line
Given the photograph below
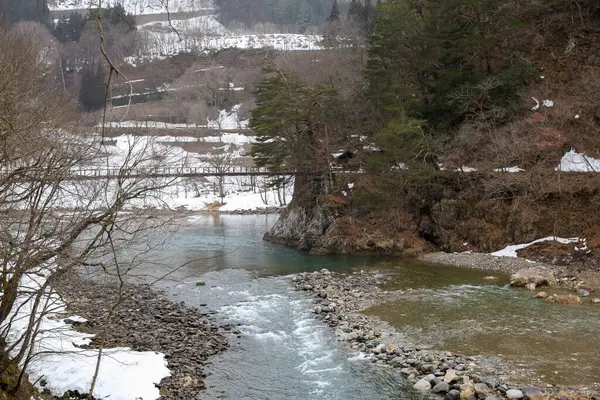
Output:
x=42 y=156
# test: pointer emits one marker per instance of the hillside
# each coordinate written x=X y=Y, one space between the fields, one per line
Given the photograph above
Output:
x=135 y=7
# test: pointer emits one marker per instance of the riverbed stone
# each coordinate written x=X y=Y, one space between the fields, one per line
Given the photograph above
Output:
x=530 y=391
x=596 y=300
x=441 y=387
x=450 y=374
x=481 y=387
x=530 y=286
x=422 y=385
x=583 y=293
x=453 y=394
x=539 y=275
x=514 y=394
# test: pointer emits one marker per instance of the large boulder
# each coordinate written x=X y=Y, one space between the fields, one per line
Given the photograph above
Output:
x=539 y=276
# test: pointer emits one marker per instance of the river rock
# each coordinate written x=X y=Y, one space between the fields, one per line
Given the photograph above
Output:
x=596 y=300
x=583 y=293
x=481 y=387
x=452 y=395
x=514 y=394
x=441 y=387
x=422 y=385
x=530 y=391
x=450 y=374
x=530 y=286
x=407 y=371
x=563 y=299
x=541 y=295
x=538 y=275
x=379 y=349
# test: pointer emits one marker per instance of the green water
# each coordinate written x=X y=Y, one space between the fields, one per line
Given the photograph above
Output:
x=447 y=308
x=458 y=309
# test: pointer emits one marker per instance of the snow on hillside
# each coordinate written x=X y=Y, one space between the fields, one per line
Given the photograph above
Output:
x=136 y=7
x=164 y=44
x=578 y=162
x=204 y=24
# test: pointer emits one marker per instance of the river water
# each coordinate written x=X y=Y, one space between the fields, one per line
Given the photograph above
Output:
x=221 y=265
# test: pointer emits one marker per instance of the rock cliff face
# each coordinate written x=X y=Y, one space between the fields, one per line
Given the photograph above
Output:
x=321 y=224
x=454 y=220
x=304 y=221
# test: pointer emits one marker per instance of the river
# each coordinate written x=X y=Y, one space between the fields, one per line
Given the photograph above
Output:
x=283 y=352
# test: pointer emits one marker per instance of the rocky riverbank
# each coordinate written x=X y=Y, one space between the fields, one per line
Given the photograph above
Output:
x=339 y=298
x=564 y=276
x=146 y=320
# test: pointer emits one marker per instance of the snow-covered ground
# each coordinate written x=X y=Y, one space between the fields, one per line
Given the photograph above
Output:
x=159 y=154
x=159 y=45
x=578 y=162
x=511 y=251
x=204 y=24
x=60 y=362
x=136 y=7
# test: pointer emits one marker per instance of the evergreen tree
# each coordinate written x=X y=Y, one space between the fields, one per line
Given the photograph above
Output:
x=332 y=25
x=355 y=11
x=92 y=92
x=440 y=69
x=288 y=121
x=334 y=15
x=13 y=11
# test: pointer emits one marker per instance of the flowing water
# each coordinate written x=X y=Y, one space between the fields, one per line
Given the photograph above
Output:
x=283 y=352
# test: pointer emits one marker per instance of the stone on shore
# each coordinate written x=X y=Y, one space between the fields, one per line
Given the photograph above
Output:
x=452 y=395
x=450 y=374
x=539 y=276
x=514 y=394
x=563 y=299
x=441 y=388
x=422 y=385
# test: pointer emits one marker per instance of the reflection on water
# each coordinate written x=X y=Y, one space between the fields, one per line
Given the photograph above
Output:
x=208 y=243
x=459 y=310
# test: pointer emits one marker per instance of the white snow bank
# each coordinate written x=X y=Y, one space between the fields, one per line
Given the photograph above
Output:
x=136 y=7
x=205 y=24
x=466 y=169
x=511 y=251
x=510 y=170
x=229 y=120
x=578 y=162
x=159 y=45
x=63 y=365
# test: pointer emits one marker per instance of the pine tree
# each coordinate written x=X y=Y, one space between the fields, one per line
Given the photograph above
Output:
x=334 y=15
x=92 y=91
x=288 y=120
x=355 y=11
x=332 y=26
x=436 y=68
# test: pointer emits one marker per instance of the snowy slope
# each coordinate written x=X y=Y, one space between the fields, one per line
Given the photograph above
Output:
x=137 y=7
x=204 y=24
x=167 y=43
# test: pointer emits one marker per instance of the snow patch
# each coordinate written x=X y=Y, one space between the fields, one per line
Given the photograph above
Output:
x=510 y=170
x=61 y=362
x=511 y=251
x=466 y=169
x=136 y=7
x=578 y=162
